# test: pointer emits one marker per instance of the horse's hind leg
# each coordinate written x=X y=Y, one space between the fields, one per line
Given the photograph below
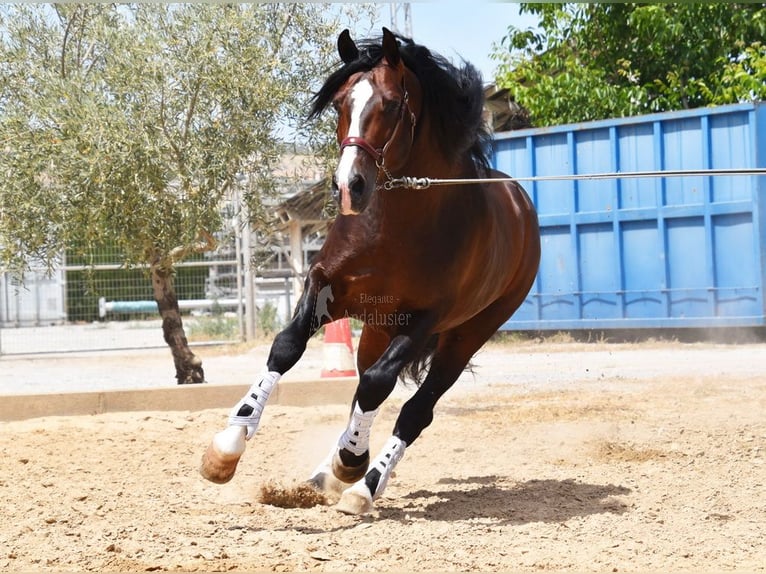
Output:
x=455 y=348
x=220 y=459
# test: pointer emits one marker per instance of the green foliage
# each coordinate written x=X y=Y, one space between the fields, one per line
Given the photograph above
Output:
x=268 y=321
x=216 y=327
x=594 y=61
x=128 y=124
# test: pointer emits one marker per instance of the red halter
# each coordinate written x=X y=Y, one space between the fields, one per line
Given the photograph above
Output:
x=377 y=154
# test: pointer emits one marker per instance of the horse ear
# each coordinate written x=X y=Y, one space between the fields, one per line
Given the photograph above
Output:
x=346 y=47
x=390 y=47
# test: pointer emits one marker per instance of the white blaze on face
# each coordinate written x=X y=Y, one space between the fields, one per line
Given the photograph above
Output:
x=360 y=95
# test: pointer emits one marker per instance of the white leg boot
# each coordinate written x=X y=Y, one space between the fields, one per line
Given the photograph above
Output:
x=356 y=440
x=359 y=498
x=331 y=476
x=222 y=456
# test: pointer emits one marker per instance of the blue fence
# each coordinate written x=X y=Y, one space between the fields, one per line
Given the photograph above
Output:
x=646 y=252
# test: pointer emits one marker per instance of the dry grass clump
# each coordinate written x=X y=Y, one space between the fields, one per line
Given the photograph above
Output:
x=628 y=452
x=301 y=495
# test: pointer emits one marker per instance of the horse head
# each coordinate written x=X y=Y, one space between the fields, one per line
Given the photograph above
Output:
x=377 y=105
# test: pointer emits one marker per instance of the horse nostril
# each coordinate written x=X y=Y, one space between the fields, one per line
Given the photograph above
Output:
x=334 y=186
x=356 y=185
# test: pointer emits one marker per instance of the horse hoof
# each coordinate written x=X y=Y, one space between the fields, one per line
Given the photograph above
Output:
x=217 y=467
x=349 y=474
x=354 y=502
x=219 y=463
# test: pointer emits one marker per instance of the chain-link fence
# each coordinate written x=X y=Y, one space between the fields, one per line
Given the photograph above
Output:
x=102 y=305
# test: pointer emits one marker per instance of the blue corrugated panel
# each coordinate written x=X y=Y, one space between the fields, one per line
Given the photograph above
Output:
x=648 y=252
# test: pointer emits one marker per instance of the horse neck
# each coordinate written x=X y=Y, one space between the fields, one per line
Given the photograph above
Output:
x=426 y=161
x=418 y=219
x=401 y=212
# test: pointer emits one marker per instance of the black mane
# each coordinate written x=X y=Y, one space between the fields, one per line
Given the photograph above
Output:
x=452 y=96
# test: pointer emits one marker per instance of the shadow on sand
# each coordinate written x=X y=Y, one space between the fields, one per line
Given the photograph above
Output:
x=524 y=502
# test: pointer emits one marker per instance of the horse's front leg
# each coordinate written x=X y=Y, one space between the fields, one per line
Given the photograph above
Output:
x=222 y=455
x=372 y=345
x=350 y=458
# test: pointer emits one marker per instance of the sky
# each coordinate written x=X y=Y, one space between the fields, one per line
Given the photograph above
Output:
x=457 y=30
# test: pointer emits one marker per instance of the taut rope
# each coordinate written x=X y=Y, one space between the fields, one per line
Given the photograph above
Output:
x=426 y=182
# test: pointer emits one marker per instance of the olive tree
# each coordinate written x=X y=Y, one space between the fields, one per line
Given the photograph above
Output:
x=128 y=124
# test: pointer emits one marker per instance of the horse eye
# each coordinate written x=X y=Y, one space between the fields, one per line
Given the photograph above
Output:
x=391 y=106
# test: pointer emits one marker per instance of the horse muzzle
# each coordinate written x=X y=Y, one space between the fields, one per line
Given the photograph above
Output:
x=352 y=190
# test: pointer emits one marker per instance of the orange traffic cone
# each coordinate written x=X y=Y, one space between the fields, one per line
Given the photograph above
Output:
x=338 y=351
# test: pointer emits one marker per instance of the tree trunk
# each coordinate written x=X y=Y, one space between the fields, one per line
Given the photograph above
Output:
x=188 y=365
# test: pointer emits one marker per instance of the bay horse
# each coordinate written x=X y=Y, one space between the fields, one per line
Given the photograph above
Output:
x=432 y=273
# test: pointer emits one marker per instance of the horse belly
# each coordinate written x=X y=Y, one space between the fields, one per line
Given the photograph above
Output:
x=494 y=262
x=471 y=302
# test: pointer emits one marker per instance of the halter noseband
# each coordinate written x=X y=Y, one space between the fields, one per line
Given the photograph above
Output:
x=378 y=154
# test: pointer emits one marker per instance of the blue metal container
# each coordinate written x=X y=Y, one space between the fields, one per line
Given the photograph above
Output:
x=647 y=252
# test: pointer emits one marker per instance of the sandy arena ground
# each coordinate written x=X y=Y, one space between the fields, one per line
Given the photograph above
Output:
x=598 y=457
